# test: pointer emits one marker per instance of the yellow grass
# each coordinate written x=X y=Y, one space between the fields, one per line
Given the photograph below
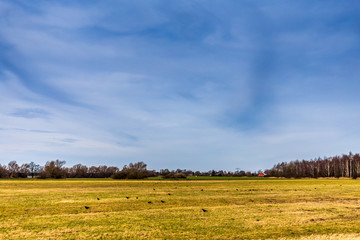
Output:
x=236 y=209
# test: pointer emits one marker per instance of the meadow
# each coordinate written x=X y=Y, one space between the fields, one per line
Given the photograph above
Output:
x=180 y=209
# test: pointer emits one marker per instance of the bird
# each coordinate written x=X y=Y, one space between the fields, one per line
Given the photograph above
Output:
x=237 y=189
x=127 y=197
x=154 y=189
x=204 y=210
x=149 y=202
x=169 y=194
x=162 y=201
x=137 y=198
x=98 y=198
x=202 y=189
x=86 y=207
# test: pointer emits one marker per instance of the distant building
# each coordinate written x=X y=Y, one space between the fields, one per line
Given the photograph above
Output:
x=260 y=174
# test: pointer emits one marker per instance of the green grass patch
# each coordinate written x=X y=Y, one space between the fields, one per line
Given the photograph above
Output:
x=210 y=178
x=225 y=178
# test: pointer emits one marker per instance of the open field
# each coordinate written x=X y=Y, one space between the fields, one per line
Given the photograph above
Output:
x=236 y=209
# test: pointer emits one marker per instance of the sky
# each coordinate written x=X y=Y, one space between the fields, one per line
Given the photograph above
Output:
x=200 y=84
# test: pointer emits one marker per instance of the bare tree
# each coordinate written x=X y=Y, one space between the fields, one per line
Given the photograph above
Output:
x=33 y=169
x=53 y=169
x=133 y=171
x=13 y=168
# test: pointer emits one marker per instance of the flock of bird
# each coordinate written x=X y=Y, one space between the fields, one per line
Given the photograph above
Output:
x=150 y=202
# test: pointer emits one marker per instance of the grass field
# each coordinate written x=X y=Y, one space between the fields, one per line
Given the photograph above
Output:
x=236 y=209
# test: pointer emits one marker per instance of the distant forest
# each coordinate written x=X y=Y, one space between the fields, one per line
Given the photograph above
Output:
x=338 y=166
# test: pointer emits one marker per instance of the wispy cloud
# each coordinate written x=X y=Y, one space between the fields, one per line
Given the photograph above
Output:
x=178 y=85
x=30 y=113
x=68 y=140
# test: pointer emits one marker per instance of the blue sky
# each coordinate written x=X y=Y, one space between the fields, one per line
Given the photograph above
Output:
x=179 y=84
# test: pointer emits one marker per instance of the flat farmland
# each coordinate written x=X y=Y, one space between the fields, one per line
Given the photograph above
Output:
x=184 y=209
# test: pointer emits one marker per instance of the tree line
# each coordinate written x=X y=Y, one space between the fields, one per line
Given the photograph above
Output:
x=347 y=165
x=57 y=169
x=54 y=169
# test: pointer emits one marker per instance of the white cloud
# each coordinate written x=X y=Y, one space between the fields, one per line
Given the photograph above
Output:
x=143 y=97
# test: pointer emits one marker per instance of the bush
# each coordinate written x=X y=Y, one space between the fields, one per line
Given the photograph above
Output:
x=4 y=173
x=173 y=174
x=119 y=175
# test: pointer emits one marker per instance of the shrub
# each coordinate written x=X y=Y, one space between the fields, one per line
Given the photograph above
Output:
x=173 y=174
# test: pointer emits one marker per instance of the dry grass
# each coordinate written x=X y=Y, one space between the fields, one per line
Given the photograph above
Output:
x=238 y=209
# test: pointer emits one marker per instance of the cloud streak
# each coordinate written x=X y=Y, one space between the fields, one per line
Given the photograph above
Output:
x=195 y=85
